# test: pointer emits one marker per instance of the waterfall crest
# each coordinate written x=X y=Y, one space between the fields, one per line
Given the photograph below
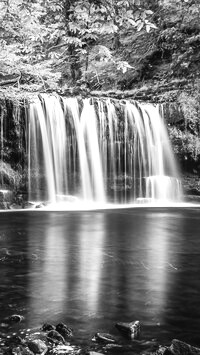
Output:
x=99 y=150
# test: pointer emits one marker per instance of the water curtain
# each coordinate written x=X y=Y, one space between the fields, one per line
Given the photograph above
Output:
x=99 y=150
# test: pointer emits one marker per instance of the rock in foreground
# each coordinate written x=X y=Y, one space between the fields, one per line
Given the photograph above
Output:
x=130 y=330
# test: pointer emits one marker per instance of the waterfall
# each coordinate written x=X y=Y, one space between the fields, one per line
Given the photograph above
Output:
x=99 y=150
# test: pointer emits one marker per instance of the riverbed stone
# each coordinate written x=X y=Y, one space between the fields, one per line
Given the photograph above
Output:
x=14 y=340
x=46 y=327
x=18 y=350
x=26 y=351
x=15 y=351
x=15 y=318
x=37 y=346
x=181 y=348
x=55 y=337
x=131 y=330
x=163 y=350
x=105 y=338
x=64 y=330
x=62 y=350
x=118 y=348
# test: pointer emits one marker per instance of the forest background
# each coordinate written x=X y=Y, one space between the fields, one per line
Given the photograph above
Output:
x=147 y=50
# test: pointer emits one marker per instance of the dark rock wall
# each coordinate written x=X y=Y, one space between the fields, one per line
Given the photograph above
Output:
x=13 y=153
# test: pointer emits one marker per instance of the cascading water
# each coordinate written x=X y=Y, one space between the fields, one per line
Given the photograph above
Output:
x=99 y=151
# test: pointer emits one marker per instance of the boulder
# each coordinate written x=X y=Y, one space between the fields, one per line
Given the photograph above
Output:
x=46 y=327
x=55 y=337
x=64 y=330
x=37 y=346
x=15 y=318
x=130 y=330
x=180 y=348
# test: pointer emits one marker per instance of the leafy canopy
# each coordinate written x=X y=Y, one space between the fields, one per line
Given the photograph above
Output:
x=64 y=31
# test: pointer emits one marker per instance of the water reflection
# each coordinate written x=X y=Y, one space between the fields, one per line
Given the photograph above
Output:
x=70 y=269
x=159 y=265
x=92 y=269
x=91 y=244
x=47 y=282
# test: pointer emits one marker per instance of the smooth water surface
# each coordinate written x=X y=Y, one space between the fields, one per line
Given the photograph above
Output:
x=92 y=269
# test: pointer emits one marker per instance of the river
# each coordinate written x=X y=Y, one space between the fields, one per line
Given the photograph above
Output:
x=93 y=269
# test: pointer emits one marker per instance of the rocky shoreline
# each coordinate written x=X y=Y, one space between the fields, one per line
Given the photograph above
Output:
x=60 y=340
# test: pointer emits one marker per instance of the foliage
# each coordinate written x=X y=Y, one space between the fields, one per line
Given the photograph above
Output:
x=115 y=43
x=66 y=32
x=190 y=107
x=179 y=35
x=185 y=144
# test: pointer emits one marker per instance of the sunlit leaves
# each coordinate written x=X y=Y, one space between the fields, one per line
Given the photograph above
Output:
x=90 y=36
x=102 y=53
x=123 y=66
x=77 y=42
x=63 y=30
x=73 y=27
x=109 y=28
x=140 y=25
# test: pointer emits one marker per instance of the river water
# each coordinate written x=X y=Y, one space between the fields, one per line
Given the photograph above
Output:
x=93 y=269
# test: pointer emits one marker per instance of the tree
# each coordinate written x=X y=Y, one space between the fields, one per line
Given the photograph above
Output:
x=80 y=26
x=69 y=34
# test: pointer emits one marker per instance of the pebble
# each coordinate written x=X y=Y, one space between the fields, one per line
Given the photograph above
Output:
x=55 y=337
x=62 y=349
x=15 y=318
x=105 y=338
x=37 y=346
x=64 y=330
x=47 y=327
